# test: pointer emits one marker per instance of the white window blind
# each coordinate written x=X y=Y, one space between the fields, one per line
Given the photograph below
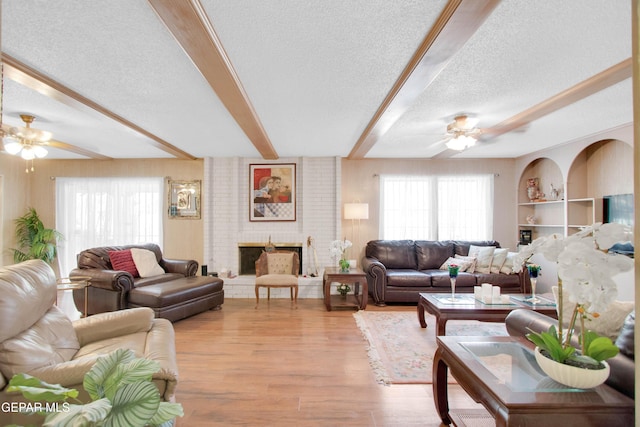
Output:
x=436 y=207
x=93 y=212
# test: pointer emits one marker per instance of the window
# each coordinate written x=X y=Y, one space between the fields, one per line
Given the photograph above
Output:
x=93 y=212
x=436 y=207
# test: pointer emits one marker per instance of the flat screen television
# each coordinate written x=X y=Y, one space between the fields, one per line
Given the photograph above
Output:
x=618 y=208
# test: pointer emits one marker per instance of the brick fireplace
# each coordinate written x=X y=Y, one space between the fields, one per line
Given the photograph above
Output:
x=248 y=254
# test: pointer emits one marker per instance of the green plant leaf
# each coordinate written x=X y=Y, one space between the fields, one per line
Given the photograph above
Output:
x=601 y=348
x=89 y=415
x=134 y=405
x=96 y=380
x=35 y=389
x=167 y=412
x=126 y=373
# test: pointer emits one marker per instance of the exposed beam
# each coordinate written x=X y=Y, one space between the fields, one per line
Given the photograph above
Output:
x=189 y=24
x=33 y=79
x=459 y=20
x=594 y=84
x=582 y=90
x=78 y=150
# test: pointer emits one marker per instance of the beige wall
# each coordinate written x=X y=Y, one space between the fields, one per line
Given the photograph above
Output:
x=360 y=181
x=182 y=238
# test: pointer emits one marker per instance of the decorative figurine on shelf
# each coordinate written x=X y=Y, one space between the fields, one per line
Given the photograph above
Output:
x=531 y=219
x=533 y=191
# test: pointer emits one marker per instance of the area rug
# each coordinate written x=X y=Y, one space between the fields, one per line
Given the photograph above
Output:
x=401 y=352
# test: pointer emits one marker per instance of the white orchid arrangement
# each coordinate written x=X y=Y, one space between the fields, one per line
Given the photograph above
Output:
x=585 y=273
x=338 y=248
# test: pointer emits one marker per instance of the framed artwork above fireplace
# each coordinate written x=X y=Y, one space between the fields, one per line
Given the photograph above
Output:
x=273 y=192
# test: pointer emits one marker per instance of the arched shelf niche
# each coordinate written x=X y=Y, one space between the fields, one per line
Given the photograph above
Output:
x=543 y=213
x=601 y=169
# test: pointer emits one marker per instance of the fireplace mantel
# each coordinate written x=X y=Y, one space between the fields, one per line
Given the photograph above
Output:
x=249 y=252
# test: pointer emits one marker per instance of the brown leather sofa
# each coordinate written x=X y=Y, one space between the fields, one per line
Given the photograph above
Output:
x=622 y=374
x=175 y=294
x=399 y=270
x=38 y=339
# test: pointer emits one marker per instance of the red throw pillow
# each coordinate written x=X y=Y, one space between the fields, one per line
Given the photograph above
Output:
x=123 y=261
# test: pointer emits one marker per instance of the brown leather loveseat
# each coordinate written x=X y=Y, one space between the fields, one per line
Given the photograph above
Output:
x=174 y=293
x=399 y=270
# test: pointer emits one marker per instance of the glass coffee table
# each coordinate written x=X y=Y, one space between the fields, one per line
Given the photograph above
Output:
x=467 y=307
x=501 y=373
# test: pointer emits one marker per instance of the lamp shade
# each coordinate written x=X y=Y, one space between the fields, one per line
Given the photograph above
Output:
x=356 y=211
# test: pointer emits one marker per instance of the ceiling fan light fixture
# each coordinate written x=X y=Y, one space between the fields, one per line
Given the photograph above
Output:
x=26 y=141
x=12 y=146
x=461 y=142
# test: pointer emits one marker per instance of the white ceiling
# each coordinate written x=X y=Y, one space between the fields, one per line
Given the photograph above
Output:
x=315 y=72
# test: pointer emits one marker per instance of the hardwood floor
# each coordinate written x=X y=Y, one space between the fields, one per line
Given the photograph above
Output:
x=278 y=366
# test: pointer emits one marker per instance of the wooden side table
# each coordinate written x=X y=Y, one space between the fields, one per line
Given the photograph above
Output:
x=354 y=276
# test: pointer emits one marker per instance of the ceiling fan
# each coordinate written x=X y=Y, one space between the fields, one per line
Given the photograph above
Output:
x=462 y=133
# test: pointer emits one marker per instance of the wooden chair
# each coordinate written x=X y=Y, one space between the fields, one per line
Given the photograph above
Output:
x=277 y=269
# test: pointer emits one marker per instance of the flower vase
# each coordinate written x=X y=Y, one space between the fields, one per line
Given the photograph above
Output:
x=572 y=376
x=453 y=275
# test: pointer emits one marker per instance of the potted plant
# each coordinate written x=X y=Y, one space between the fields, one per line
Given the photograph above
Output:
x=337 y=249
x=585 y=272
x=34 y=240
x=121 y=388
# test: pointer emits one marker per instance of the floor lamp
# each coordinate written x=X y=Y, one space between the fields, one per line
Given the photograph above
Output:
x=356 y=212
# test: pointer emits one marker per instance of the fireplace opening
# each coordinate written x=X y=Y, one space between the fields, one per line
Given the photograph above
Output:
x=249 y=253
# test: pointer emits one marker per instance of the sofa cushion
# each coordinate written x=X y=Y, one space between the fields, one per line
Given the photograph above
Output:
x=50 y=341
x=626 y=338
x=408 y=279
x=463 y=263
x=499 y=258
x=123 y=261
x=146 y=262
x=507 y=267
x=441 y=279
x=484 y=255
x=394 y=253
x=27 y=292
x=432 y=254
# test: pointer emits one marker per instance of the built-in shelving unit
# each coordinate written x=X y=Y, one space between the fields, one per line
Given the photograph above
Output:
x=603 y=168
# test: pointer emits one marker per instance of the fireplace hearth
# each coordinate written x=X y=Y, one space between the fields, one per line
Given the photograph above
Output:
x=249 y=253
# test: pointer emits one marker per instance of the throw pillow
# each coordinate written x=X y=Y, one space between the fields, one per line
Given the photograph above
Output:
x=626 y=339
x=146 y=262
x=499 y=258
x=464 y=264
x=123 y=261
x=484 y=254
x=507 y=267
x=280 y=263
x=608 y=324
x=473 y=260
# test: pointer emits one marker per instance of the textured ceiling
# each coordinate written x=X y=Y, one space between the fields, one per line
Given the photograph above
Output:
x=315 y=72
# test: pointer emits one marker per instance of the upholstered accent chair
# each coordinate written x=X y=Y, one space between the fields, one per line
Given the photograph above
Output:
x=277 y=269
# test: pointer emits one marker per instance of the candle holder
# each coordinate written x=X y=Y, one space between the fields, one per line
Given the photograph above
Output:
x=453 y=274
x=534 y=272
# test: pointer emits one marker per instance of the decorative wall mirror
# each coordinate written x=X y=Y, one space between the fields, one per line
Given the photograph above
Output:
x=184 y=199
